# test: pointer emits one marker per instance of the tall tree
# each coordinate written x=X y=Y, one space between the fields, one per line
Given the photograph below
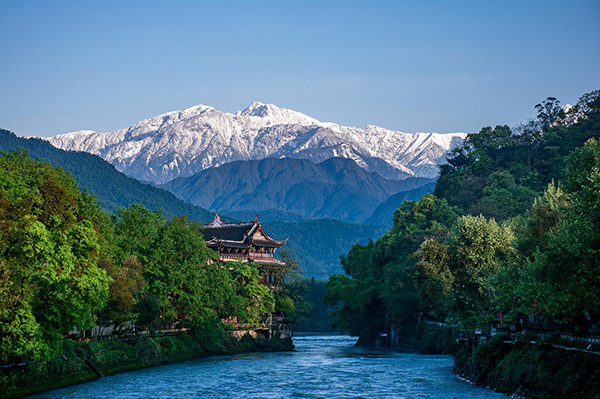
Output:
x=549 y=112
x=49 y=278
x=381 y=290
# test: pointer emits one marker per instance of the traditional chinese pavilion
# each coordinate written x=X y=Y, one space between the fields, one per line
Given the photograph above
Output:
x=242 y=242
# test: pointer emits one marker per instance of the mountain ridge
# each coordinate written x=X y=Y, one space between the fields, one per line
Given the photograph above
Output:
x=318 y=243
x=335 y=188
x=384 y=213
x=184 y=142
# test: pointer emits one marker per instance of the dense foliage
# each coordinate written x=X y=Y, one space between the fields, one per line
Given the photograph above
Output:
x=49 y=277
x=311 y=313
x=532 y=371
x=66 y=264
x=512 y=229
x=112 y=188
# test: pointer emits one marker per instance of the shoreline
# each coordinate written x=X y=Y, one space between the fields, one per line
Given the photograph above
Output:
x=81 y=362
x=523 y=368
x=312 y=333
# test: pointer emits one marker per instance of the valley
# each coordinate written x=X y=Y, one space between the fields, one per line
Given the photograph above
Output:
x=323 y=208
x=304 y=177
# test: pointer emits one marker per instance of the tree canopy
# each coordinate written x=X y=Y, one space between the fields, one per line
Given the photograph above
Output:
x=513 y=228
x=66 y=264
x=49 y=250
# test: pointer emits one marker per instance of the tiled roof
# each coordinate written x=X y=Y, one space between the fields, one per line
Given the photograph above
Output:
x=229 y=232
x=237 y=235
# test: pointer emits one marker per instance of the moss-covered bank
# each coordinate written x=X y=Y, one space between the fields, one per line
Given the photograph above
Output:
x=86 y=361
x=530 y=369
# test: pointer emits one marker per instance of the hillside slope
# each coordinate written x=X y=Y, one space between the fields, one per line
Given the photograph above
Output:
x=385 y=211
x=335 y=188
x=112 y=188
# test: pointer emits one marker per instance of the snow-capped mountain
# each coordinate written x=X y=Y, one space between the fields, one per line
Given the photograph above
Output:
x=182 y=143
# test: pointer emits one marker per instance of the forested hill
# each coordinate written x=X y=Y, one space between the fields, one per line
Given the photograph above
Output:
x=498 y=171
x=112 y=188
x=512 y=230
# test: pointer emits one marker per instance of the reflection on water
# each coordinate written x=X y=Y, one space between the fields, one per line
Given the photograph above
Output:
x=321 y=367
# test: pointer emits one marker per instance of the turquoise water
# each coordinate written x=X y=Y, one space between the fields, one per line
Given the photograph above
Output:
x=321 y=367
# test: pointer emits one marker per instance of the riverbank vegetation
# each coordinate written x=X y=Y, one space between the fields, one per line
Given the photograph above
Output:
x=511 y=235
x=67 y=266
x=82 y=361
x=533 y=369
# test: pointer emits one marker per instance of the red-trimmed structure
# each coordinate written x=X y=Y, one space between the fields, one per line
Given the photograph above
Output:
x=244 y=242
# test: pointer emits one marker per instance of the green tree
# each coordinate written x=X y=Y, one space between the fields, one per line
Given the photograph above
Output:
x=126 y=285
x=48 y=258
x=570 y=267
x=549 y=112
x=254 y=299
x=381 y=290
x=479 y=249
x=136 y=230
x=176 y=274
x=503 y=197
x=541 y=220
x=433 y=273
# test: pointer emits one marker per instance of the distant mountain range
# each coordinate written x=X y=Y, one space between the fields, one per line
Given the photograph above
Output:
x=384 y=213
x=185 y=142
x=335 y=188
x=298 y=173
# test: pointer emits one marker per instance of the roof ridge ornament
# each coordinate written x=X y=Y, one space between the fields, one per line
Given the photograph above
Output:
x=217 y=222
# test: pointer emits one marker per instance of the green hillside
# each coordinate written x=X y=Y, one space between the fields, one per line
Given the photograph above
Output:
x=112 y=188
x=510 y=237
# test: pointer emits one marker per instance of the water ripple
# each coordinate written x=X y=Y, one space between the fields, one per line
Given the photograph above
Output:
x=322 y=367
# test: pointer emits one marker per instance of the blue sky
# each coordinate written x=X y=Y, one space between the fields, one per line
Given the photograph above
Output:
x=409 y=65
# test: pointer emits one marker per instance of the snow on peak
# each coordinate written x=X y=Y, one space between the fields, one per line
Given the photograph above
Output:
x=270 y=114
x=184 y=142
x=182 y=114
x=258 y=109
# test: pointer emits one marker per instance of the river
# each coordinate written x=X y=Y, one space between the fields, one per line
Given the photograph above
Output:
x=321 y=367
